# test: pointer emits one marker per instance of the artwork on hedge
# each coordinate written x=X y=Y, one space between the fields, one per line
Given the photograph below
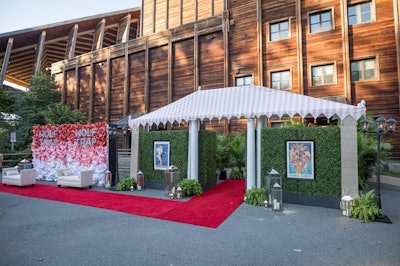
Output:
x=300 y=159
x=74 y=146
x=161 y=155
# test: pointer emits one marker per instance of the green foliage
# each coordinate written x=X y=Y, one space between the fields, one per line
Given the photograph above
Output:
x=178 y=152
x=367 y=147
x=207 y=156
x=39 y=105
x=60 y=113
x=222 y=151
x=327 y=181
x=126 y=183
x=7 y=101
x=236 y=173
x=190 y=187
x=365 y=207
x=179 y=140
x=256 y=196
x=231 y=151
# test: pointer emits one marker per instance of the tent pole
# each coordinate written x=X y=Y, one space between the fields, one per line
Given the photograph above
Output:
x=251 y=154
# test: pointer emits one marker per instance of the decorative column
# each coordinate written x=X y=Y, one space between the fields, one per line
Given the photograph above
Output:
x=349 y=162
x=134 y=149
x=193 y=150
x=251 y=154
x=261 y=123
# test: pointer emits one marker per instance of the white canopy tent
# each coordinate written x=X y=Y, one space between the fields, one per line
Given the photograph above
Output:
x=248 y=102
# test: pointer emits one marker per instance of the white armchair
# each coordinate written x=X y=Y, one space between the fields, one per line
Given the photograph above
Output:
x=65 y=177
x=11 y=176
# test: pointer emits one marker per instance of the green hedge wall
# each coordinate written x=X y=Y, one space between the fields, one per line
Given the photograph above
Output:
x=327 y=181
x=179 y=140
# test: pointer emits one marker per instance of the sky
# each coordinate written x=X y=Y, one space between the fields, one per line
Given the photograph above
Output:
x=23 y=14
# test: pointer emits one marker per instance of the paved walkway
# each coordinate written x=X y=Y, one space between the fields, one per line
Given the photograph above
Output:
x=42 y=232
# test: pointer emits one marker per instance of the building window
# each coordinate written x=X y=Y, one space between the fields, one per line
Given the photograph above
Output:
x=321 y=21
x=323 y=75
x=363 y=69
x=244 y=80
x=279 y=31
x=280 y=80
x=360 y=13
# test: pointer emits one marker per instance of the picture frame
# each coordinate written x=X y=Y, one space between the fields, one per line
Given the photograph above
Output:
x=300 y=159
x=161 y=153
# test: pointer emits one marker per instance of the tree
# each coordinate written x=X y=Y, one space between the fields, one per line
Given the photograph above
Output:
x=39 y=105
x=60 y=113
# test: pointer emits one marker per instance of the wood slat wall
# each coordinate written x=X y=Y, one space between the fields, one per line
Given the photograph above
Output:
x=117 y=88
x=196 y=53
x=99 y=95
x=158 y=81
x=137 y=82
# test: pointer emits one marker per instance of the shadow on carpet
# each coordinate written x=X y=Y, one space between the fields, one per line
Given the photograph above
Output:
x=209 y=210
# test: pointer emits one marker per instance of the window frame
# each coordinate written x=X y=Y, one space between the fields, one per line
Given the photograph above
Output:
x=243 y=76
x=288 y=20
x=310 y=76
x=280 y=82
x=330 y=10
x=376 y=70
x=359 y=3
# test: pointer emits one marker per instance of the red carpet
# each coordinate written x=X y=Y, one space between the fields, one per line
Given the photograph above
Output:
x=209 y=210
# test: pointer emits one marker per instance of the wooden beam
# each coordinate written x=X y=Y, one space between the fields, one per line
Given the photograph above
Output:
x=346 y=53
x=170 y=66
x=108 y=88
x=299 y=33
x=39 y=53
x=146 y=78
x=6 y=60
x=71 y=43
x=196 y=57
x=77 y=91
x=123 y=29
x=260 y=44
x=91 y=92
x=225 y=29
x=396 y=15
x=98 y=37
x=126 y=82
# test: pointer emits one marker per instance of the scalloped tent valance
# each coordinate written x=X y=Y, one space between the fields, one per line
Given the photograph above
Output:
x=244 y=102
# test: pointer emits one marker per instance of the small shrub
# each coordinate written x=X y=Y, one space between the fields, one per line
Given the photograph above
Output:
x=190 y=187
x=365 y=207
x=256 y=196
x=235 y=173
x=126 y=183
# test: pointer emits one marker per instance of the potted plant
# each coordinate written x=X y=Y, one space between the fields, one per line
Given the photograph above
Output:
x=190 y=187
x=365 y=207
x=237 y=154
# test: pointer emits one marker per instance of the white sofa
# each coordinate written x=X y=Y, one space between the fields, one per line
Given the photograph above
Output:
x=12 y=176
x=65 y=177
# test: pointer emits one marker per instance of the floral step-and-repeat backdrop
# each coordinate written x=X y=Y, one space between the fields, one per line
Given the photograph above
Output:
x=74 y=146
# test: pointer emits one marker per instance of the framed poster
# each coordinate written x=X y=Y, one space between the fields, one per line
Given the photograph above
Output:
x=161 y=155
x=300 y=159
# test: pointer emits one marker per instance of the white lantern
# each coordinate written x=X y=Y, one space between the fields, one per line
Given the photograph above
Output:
x=276 y=196
x=346 y=204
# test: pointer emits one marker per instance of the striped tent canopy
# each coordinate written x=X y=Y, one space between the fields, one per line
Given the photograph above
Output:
x=244 y=102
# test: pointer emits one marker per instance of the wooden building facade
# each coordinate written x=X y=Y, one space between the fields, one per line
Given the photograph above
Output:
x=343 y=50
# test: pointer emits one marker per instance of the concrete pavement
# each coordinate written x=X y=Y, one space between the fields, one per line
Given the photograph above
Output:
x=42 y=232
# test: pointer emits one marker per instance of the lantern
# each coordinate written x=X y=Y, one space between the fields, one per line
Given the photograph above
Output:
x=140 y=180
x=276 y=196
x=171 y=180
x=346 y=204
x=270 y=179
x=179 y=193
x=108 y=179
